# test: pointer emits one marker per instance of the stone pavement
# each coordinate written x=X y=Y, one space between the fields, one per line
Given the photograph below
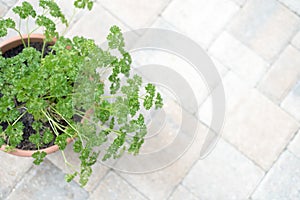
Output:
x=255 y=45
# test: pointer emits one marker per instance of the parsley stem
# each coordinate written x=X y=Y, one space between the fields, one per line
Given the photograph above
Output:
x=19 y=118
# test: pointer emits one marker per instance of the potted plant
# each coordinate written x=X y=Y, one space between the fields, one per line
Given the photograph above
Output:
x=55 y=89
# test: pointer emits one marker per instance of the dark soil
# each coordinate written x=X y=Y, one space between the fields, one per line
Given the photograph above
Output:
x=37 y=45
x=28 y=119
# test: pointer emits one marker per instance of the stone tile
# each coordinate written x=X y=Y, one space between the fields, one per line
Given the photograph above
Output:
x=294 y=146
x=114 y=187
x=3 y=9
x=159 y=184
x=224 y=174
x=12 y=169
x=282 y=181
x=265 y=26
x=136 y=14
x=294 y=5
x=182 y=193
x=254 y=124
x=10 y=2
x=99 y=170
x=200 y=19
x=240 y=2
x=282 y=76
x=96 y=29
x=171 y=65
x=292 y=102
x=47 y=182
x=296 y=41
x=239 y=58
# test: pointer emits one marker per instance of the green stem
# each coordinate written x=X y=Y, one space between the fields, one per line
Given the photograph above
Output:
x=43 y=48
x=67 y=163
x=19 y=118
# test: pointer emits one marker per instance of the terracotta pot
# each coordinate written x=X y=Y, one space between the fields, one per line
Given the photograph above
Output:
x=5 y=46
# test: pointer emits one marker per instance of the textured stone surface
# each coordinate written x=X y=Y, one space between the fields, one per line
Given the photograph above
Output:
x=227 y=171
x=12 y=169
x=294 y=5
x=136 y=14
x=236 y=56
x=282 y=76
x=10 y=2
x=296 y=41
x=294 y=146
x=114 y=187
x=254 y=124
x=292 y=102
x=3 y=9
x=240 y=2
x=200 y=19
x=160 y=184
x=97 y=30
x=99 y=170
x=47 y=182
x=282 y=182
x=182 y=193
x=265 y=26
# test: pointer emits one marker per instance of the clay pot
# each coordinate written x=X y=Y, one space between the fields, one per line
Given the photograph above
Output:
x=5 y=46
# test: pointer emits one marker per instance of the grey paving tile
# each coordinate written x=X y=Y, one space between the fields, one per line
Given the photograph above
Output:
x=282 y=76
x=3 y=9
x=136 y=14
x=46 y=182
x=12 y=169
x=292 y=102
x=282 y=182
x=99 y=170
x=96 y=29
x=254 y=124
x=294 y=5
x=294 y=146
x=240 y=2
x=224 y=174
x=201 y=20
x=182 y=193
x=265 y=26
x=114 y=187
x=296 y=40
x=239 y=58
x=10 y=2
x=159 y=184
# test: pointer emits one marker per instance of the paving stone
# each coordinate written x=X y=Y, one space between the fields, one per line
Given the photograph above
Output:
x=168 y=62
x=296 y=41
x=254 y=124
x=200 y=19
x=10 y=2
x=97 y=31
x=47 y=182
x=224 y=174
x=3 y=9
x=294 y=146
x=136 y=14
x=12 y=169
x=265 y=26
x=113 y=187
x=99 y=170
x=159 y=184
x=239 y=58
x=292 y=102
x=282 y=181
x=239 y=2
x=182 y=193
x=282 y=76
x=294 y=5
